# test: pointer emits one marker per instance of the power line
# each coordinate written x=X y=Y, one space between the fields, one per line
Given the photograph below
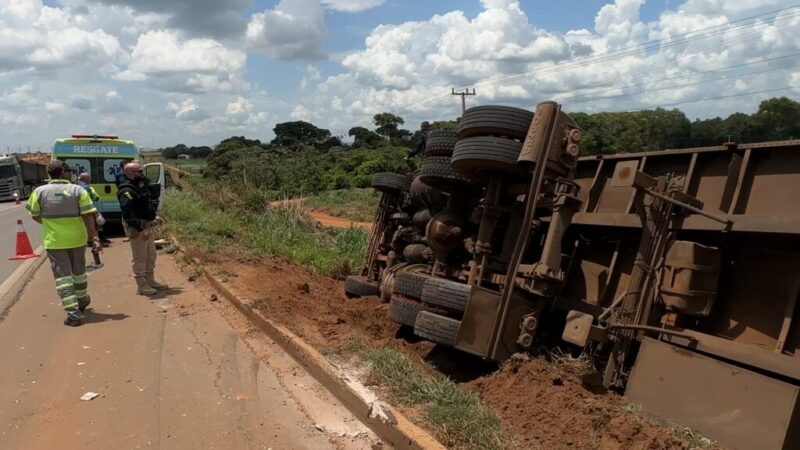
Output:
x=647 y=91
x=720 y=97
x=691 y=74
x=623 y=52
x=634 y=49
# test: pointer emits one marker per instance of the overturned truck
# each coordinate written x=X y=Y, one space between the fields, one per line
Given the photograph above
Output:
x=678 y=271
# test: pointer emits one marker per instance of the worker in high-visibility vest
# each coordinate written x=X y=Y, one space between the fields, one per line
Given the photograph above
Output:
x=67 y=216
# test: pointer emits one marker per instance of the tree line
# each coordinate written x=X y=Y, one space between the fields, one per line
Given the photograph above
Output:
x=658 y=129
x=303 y=158
x=181 y=149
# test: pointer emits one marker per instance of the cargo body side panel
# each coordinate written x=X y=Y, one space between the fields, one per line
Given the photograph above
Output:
x=741 y=409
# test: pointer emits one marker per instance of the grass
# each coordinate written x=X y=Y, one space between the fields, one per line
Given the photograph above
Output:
x=284 y=233
x=455 y=415
x=358 y=205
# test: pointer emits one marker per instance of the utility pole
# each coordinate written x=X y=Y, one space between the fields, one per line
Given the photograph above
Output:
x=463 y=95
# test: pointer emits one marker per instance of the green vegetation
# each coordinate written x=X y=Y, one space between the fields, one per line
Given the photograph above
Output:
x=197 y=218
x=615 y=132
x=195 y=165
x=358 y=205
x=455 y=415
x=180 y=149
x=304 y=159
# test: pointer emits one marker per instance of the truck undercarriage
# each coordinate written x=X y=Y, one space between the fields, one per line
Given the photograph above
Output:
x=677 y=271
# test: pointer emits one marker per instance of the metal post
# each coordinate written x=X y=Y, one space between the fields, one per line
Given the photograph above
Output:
x=463 y=95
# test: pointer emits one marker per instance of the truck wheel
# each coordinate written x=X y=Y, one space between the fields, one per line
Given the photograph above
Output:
x=357 y=286
x=436 y=328
x=495 y=121
x=440 y=143
x=421 y=218
x=446 y=294
x=390 y=182
x=404 y=311
x=409 y=284
x=437 y=172
x=476 y=157
x=426 y=196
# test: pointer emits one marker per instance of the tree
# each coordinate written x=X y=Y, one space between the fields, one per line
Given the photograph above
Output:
x=777 y=118
x=388 y=125
x=228 y=151
x=299 y=133
x=363 y=137
x=170 y=153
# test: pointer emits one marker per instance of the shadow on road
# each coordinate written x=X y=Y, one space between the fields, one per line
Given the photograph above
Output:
x=95 y=317
x=166 y=293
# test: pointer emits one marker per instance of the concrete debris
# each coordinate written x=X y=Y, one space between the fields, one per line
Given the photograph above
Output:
x=380 y=410
x=89 y=396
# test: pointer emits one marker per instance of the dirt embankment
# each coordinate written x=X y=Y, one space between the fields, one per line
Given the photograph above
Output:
x=544 y=406
x=322 y=217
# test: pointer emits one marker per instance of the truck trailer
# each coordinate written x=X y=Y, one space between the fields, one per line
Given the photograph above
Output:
x=676 y=271
x=19 y=177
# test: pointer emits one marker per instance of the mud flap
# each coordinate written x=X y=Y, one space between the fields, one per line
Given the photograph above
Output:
x=476 y=334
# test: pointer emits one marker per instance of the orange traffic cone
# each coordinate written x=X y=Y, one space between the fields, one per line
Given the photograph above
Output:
x=24 y=249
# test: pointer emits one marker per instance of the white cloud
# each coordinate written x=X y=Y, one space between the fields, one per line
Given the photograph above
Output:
x=300 y=112
x=164 y=52
x=54 y=106
x=619 y=22
x=122 y=61
x=34 y=36
x=352 y=6
x=240 y=107
x=409 y=68
x=295 y=29
x=19 y=96
x=187 y=110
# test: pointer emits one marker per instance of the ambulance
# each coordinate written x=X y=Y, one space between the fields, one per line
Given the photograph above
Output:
x=103 y=158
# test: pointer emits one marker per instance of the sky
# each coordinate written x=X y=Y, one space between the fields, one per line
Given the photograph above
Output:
x=198 y=71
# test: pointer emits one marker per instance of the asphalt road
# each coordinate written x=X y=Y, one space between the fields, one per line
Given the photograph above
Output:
x=173 y=372
x=10 y=212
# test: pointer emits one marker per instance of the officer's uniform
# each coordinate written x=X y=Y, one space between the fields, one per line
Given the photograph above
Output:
x=61 y=206
x=138 y=212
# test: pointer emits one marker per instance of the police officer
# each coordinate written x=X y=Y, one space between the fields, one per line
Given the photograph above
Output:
x=139 y=218
x=67 y=216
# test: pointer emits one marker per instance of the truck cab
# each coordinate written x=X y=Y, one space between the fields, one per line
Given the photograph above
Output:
x=19 y=177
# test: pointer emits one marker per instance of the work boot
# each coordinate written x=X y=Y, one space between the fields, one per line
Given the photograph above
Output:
x=151 y=281
x=143 y=288
x=73 y=322
x=84 y=303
